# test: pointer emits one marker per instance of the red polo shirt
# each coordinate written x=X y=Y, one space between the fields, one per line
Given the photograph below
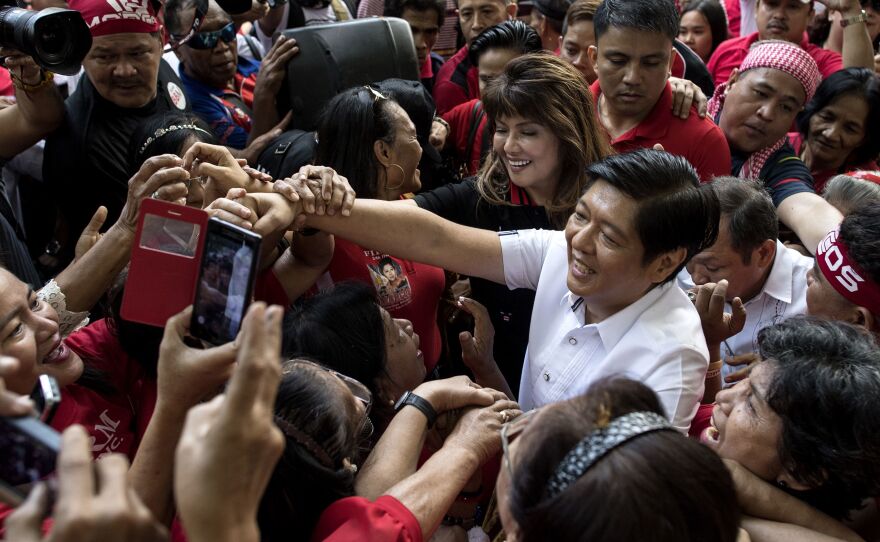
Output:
x=730 y=54
x=698 y=140
x=457 y=82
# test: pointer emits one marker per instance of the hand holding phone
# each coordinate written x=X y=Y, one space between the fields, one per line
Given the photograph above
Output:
x=95 y=502
x=225 y=283
x=29 y=449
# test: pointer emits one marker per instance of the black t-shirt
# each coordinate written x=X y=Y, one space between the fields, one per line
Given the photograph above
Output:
x=86 y=162
x=510 y=310
x=784 y=174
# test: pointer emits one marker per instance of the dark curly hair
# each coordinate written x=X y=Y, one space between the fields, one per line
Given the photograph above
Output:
x=826 y=389
x=692 y=495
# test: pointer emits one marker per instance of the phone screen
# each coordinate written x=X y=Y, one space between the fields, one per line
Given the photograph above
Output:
x=226 y=277
x=29 y=449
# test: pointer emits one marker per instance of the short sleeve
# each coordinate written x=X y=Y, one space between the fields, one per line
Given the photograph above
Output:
x=523 y=253
x=785 y=175
x=356 y=518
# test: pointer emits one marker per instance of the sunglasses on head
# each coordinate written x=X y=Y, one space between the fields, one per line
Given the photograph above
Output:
x=208 y=40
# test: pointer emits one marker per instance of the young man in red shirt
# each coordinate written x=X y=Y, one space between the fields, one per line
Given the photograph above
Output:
x=457 y=82
x=633 y=56
x=787 y=20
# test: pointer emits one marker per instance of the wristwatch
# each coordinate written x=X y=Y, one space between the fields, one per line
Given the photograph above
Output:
x=411 y=399
x=860 y=18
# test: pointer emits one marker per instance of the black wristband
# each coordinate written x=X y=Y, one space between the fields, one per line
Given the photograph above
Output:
x=411 y=399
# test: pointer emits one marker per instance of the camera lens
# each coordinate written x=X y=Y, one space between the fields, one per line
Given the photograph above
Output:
x=52 y=40
x=58 y=39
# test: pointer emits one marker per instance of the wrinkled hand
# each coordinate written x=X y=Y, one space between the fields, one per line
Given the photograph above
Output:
x=479 y=429
x=217 y=164
x=188 y=375
x=747 y=360
x=456 y=392
x=718 y=326
x=684 y=95
x=163 y=175
x=233 y=209
x=273 y=67
x=229 y=447
x=12 y=404
x=477 y=348
x=254 y=174
x=439 y=133
x=273 y=212
x=90 y=234
x=320 y=189
x=95 y=501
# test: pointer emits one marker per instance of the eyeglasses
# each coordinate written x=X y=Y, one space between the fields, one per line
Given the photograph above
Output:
x=208 y=40
x=509 y=432
x=360 y=392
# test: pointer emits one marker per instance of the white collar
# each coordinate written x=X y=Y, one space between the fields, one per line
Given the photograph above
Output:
x=779 y=281
x=612 y=329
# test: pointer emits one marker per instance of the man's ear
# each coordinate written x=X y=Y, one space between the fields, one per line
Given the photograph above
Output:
x=766 y=253
x=864 y=318
x=664 y=264
x=672 y=56
x=593 y=55
x=511 y=9
x=734 y=77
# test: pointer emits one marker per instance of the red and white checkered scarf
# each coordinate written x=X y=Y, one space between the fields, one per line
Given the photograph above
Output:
x=778 y=55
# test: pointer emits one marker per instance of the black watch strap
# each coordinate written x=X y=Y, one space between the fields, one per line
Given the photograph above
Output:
x=411 y=399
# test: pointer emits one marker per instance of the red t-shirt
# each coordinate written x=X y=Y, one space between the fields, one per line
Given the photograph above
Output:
x=405 y=289
x=116 y=422
x=459 y=119
x=698 y=140
x=821 y=177
x=730 y=54
x=356 y=518
x=457 y=82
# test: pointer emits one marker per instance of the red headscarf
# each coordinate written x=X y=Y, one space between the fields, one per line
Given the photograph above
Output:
x=117 y=16
x=777 y=55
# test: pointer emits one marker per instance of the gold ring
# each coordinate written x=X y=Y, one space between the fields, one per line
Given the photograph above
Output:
x=504 y=416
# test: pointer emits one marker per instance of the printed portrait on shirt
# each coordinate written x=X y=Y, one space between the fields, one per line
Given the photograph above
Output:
x=391 y=282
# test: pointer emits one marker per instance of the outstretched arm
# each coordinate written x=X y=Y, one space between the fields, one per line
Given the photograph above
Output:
x=409 y=232
x=810 y=217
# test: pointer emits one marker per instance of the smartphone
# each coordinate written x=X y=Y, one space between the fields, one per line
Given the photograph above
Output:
x=29 y=449
x=46 y=397
x=225 y=283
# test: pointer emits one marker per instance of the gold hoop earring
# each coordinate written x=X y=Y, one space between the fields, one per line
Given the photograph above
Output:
x=402 y=177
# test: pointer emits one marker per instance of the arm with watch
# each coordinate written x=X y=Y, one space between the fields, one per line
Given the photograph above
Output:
x=857 y=50
x=396 y=455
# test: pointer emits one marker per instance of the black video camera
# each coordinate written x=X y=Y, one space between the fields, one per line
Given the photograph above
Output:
x=57 y=39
